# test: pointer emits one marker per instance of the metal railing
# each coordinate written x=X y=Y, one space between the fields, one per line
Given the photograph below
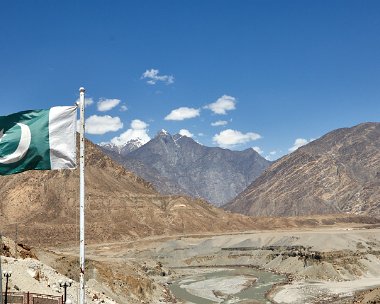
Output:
x=32 y=298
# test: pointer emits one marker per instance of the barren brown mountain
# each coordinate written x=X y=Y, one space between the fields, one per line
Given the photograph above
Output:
x=44 y=205
x=337 y=173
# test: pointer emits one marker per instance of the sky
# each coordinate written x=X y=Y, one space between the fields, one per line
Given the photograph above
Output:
x=263 y=74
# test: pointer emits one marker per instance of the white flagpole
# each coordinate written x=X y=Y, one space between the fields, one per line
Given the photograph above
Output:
x=82 y=294
x=1 y=273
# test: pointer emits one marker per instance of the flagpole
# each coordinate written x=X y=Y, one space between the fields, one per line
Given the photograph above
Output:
x=1 y=273
x=82 y=294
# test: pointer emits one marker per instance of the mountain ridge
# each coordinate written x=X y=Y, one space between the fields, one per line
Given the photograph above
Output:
x=337 y=173
x=130 y=146
x=119 y=205
x=176 y=164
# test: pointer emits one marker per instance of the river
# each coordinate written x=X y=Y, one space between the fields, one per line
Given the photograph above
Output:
x=224 y=285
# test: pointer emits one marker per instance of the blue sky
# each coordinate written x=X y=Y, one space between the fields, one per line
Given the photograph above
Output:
x=271 y=71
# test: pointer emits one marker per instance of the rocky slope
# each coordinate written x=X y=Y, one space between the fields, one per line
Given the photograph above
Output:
x=111 y=282
x=119 y=205
x=179 y=165
x=338 y=173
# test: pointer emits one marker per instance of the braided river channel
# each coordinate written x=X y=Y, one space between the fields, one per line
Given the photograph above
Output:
x=224 y=285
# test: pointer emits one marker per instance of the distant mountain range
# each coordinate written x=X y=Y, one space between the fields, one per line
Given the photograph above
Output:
x=177 y=164
x=337 y=173
x=121 y=150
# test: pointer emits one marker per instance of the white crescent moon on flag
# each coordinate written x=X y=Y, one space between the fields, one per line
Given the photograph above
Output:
x=22 y=148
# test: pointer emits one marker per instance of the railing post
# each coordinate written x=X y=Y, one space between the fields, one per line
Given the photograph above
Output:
x=6 y=291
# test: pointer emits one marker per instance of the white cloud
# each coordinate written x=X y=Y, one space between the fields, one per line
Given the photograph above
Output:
x=88 y=101
x=222 y=105
x=219 y=123
x=138 y=130
x=102 y=124
x=182 y=113
x=123 y=108
x=299 y=142
x=138 y=124
x=271 y=155
x=107 y=104
x=185 y=132
x=153 y=77
x=230 y=137
x=258 y=150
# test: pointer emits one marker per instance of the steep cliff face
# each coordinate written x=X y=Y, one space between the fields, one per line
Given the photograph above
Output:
x=337 y=173
x=179 y=165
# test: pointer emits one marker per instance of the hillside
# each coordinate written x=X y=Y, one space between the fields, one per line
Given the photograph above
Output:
x=337 y=173
x=179 y=165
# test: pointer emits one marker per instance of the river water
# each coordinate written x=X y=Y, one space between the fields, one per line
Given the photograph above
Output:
x=225 y=285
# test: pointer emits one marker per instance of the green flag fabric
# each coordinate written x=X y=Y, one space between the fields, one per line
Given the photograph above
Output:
x=38 y=140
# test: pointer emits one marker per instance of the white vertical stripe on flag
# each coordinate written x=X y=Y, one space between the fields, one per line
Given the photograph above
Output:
x=62 y=137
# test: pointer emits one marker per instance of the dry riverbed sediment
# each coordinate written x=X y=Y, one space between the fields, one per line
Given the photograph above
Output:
x=325 y=265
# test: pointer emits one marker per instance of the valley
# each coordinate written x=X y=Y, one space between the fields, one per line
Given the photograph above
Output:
x=282 y=266
x=308 y=232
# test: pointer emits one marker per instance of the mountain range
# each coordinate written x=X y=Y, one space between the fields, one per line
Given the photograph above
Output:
x=116 y=150
x=119 y=205
x=177 y=164
x=337 y=173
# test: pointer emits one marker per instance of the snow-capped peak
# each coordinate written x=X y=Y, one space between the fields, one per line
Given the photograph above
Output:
x=123 y=148
x=163 y=132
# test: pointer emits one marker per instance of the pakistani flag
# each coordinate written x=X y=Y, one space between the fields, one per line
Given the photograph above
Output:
x=38 y=140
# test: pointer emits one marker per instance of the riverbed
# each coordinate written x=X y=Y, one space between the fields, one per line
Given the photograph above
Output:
x=224 y=285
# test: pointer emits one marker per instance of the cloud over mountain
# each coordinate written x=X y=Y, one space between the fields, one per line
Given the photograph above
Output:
x=299 y=142
x=231 y=137
x=138 y=130
x=99 y=125
x=258 y=150
x=185 y=132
